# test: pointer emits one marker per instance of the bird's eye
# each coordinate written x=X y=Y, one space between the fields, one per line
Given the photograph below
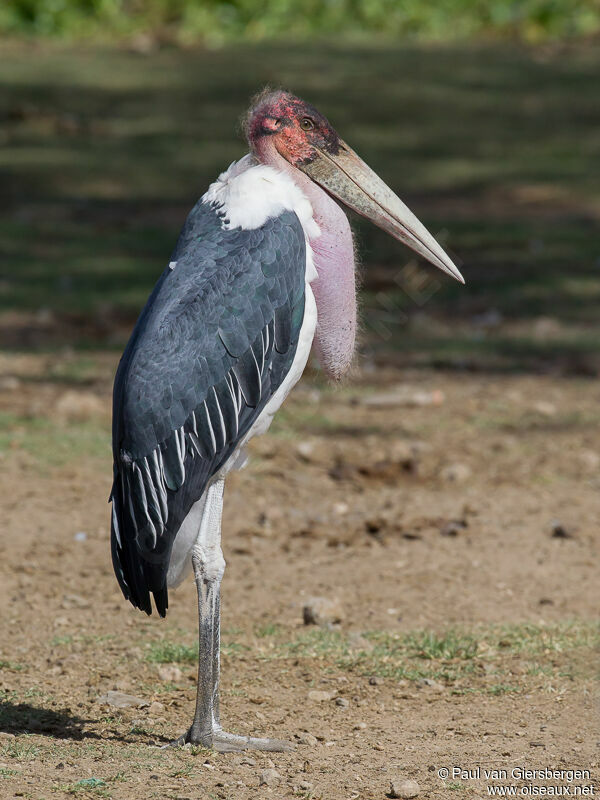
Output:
x=307 y=124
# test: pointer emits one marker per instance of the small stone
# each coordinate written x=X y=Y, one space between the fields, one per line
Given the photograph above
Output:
x=431 y=684
x=305 y=786
x=156 y=707
x=80 y=536
x=169 y=672
x=269 y=777
x=305 y=450
x=341 y=702
x=258 y=699
x=454 y=527
x=374 y=680
x=404 y=789
x=74 y=601
x=308 y=738
x=559 y=531
x=118 y=699
x=320 y=696
x=456 y=473
x=322 y=611
x=248 y=762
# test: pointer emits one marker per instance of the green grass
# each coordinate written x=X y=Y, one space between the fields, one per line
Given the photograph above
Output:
x=61 y=641
x=13 y=666
x=20 y=750
x=89 y=789
x=450 y=645
x=533 y=639
x=78 y=371
x=177 y=653
x=170 y=652
x=89 y=783
x=502 y=688
x=52 y=444
x=451 y=656
x=413 y=656
x=271 y=629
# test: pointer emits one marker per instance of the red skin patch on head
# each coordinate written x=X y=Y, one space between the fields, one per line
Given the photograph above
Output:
x=279 y=115
x=294 y=145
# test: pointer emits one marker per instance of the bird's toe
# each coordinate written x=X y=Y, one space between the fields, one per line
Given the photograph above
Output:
x=224 y=742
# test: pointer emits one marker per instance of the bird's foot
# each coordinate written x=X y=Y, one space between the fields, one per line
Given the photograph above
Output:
x=224 y=742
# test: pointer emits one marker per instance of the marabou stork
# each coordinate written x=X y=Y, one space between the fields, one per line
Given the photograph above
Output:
x=262 y=271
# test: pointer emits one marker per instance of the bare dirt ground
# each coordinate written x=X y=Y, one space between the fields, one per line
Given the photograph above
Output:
x=454 y=518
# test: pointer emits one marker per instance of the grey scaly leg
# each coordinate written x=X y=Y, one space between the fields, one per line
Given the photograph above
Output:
x=209 y=565
x=216 y=656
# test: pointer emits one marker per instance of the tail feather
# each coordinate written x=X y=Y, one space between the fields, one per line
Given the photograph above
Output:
x=127 y=565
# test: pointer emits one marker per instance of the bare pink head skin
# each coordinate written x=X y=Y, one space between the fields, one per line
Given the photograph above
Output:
x=293 y=137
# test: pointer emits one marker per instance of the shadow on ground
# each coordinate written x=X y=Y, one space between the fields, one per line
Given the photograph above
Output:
x=19 y=718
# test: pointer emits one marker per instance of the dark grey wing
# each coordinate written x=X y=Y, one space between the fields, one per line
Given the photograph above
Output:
x=214 y=342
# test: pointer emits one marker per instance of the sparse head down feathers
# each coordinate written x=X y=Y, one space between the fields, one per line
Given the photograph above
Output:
x=296 y=126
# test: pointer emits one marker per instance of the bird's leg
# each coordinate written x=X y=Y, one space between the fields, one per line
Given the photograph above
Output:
x=209 y=565
x=216 y=659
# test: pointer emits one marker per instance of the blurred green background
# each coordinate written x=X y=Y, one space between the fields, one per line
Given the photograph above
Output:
x=484 y=117
x=216 y=20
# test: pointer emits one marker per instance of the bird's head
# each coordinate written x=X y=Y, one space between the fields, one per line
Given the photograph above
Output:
x=308 y=142
x=297 y=129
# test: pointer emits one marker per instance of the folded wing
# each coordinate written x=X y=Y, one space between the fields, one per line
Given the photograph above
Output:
x=214 y=342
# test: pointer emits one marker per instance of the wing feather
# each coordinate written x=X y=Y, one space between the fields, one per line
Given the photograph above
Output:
x=214 y=342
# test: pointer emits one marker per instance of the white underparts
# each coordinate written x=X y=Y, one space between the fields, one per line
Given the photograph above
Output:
x=200 y=535
x=249 y=193
x=190 y=535
x=305 y=340
x=181 y=554
x=207 y=548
